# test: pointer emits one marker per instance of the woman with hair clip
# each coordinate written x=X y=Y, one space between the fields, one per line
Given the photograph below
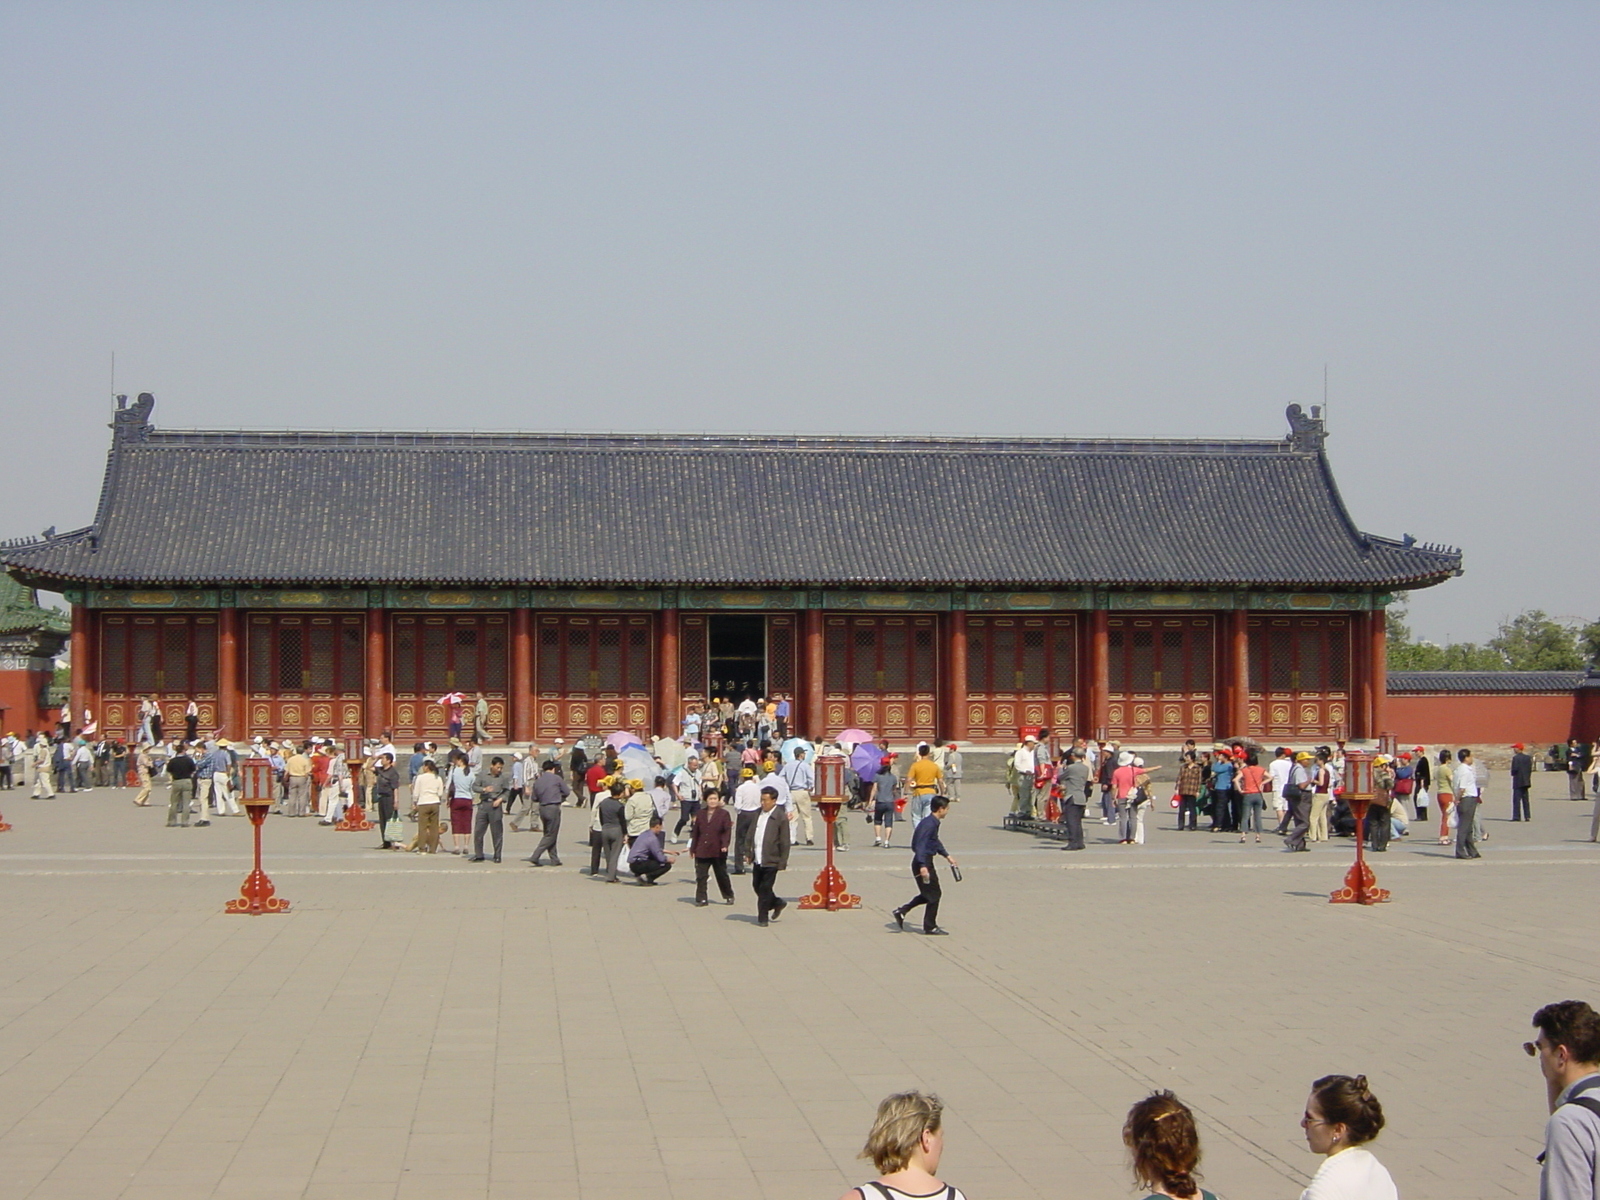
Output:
x=1342 y=1115
x=1164 y=1148
x=905 y=1144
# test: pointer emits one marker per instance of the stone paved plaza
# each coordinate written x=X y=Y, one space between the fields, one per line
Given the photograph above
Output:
x=425 y=1027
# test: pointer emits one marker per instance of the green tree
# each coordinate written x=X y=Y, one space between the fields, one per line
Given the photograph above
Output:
x=1533 y=641
x=1408 y=654
x=1589 y=643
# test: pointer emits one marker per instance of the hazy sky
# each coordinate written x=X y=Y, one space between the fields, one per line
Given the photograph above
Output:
x=1060 y=219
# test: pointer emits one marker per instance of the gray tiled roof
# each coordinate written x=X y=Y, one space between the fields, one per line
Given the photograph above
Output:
x=201 y=506
x=1402 y=682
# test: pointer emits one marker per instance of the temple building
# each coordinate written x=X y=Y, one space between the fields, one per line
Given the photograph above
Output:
x=30 y=638
x=340 y=583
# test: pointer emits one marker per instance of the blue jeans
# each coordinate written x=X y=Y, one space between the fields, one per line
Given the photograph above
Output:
x=920 y=806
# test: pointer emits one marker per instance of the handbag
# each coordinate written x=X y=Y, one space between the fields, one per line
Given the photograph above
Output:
x=394 y=830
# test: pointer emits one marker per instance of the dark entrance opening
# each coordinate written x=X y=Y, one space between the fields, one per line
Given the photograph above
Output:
x=738 y=656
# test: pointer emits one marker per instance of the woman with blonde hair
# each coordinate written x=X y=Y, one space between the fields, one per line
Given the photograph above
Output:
x=905 y=1144
x=1164 y=1147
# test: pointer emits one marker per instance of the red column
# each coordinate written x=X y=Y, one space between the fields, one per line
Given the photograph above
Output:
x=1378 y=669
x=521 y=701
x=85 y=672
x=953 y=695
x=1239 y=671
x=811 y=655
x=669 y=700
x=1099 y=672
x=377 y=670
x=1359 y=725
x=230 y=698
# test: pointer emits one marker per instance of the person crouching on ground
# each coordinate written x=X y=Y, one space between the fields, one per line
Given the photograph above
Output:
x=647 y=858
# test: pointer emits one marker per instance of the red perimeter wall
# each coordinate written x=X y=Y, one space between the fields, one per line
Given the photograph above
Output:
x=19 y=693
x=1462 y=720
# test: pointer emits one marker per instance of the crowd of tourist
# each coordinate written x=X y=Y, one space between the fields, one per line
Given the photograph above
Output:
x=1341 y=1121
x=1234 y=785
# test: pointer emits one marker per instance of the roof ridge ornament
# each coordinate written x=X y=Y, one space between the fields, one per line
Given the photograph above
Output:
x=1306 y=433
x=131 y=422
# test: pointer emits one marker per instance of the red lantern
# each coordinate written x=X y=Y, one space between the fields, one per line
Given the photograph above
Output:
x=828 y=890
x=1360 y=884
x=256 y=894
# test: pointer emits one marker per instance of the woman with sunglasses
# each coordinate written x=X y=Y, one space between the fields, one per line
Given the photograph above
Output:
x=1342 y=1116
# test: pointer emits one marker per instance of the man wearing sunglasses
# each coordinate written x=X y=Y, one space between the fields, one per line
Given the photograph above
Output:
x=1568 y=1050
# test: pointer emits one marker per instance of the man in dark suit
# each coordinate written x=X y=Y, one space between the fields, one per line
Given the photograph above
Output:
x=771 y=847
x=1521 y=781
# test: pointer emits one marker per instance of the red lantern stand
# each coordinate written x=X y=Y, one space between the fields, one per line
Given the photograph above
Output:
x=1360 y=884
x=355 y=817
x=828 y=889
x=256 y=894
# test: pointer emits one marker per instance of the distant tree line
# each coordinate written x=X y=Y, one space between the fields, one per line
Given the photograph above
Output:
x=1530 y=641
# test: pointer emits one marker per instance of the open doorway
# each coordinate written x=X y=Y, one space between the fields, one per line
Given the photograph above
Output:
x=737 y=655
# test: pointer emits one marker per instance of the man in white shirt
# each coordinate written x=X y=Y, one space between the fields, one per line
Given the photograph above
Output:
x=778 y=784
x=1467 y=796
x=1024 y=762
x=746 y=804
x=1278 y=778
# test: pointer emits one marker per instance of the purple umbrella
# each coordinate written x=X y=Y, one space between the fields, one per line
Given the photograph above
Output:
x=621 y=740
x=864 y=760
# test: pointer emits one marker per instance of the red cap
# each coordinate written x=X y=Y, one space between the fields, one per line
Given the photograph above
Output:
x=1405 y=754
x=1518 y=746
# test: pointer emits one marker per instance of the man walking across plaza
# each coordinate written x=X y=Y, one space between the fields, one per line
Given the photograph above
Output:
x=549 y=791
x=491 y=787
x=1567 y=1046
x=43 y=760
x=746 y=809
x=925 y=846
x=685 y=783
x=1521 y=782
x=1467 y=796
x=1297 y=791
x=771 y=855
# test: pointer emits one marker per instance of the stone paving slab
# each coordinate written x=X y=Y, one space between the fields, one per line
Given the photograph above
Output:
x=425 y=1027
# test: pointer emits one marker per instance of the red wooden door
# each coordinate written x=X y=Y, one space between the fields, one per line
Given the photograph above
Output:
x=171 y=656
x=304 y=675
x=432 y=655
x=1161 y=677
x=1021 y=671
x=593 y=674
x=1300 y=676
x=880 y=673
